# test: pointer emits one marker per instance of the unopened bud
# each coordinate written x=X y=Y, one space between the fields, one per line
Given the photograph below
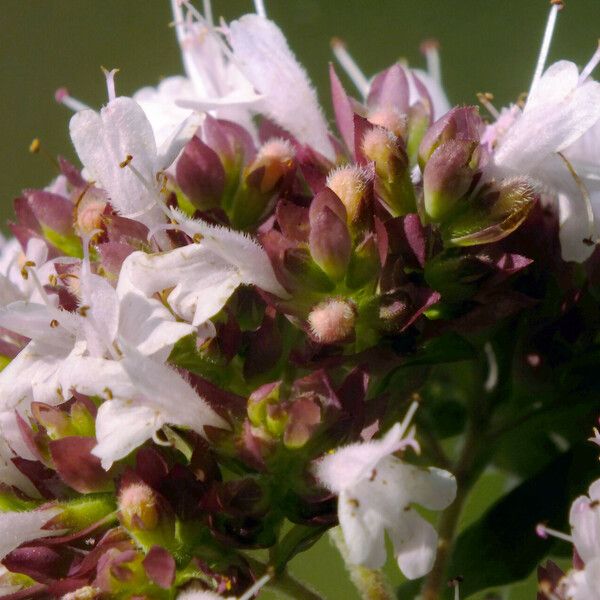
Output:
x=200 y=174
x=461 y=123
x=139 y=507
x=89 y=210
x=276 y=158
x=332 y=321
x=350 y=183
x=391 y=119
x=259 y=400
x=447 y=177
x=393 y=182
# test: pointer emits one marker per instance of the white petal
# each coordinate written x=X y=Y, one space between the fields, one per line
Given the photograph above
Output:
x=264 y=57
x=165 y=390
x=575 y=226
x=432 y=488
x=121 y=427
x=363 y=531
x=557 y=82
x=103 y=141
x=584 y=518
x=415 y=544
x=148 y=325
x=355 y=462
x=238 y=249
x=547 y=129
x=177 y=139
x=16 y=528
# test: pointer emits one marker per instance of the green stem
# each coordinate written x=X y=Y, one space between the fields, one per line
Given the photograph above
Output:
x=283 y=583
x=370 y=583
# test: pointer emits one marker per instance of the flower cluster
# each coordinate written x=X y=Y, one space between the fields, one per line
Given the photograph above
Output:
x=216 y=334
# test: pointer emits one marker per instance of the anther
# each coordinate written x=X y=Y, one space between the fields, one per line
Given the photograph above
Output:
x=485 y=99
x=126 y=162
x=349 y=65
x=544 y=532
x=36 y=148
x=54 y=323
x=83 y=310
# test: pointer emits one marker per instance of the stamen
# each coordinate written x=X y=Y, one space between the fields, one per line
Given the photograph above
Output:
x=62 y=96
x=208 y=14
x=485 y=99
x=349 y=65
x=410 y=413
x=586 y=198
x=178 y=21
x=158 y=440
x=36 y=148
x=592 y=64
x=430 y=48
x=110 y=82
x=492 y=378
x=157 y=200
x=542 y=531
x=259 y=8
x=548 y=33
x=258 y=585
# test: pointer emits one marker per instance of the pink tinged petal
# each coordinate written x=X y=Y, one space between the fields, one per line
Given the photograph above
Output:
x=103 y=141
x=390 y=89
x=266 y=60
x=342 y=107
x=349 y=465
x=584 y=519
x=363 y=531
x=160 y=567
x=423 y=86
x=16 y=528
x=415 y=544
x=52 y=211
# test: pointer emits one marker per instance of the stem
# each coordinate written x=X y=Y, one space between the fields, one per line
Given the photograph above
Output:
x=283 y=582
x=370 y=583
x=466 y=472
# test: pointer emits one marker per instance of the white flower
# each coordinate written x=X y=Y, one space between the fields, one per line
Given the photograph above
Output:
x=118 y=150
x=559 y=116
x=141 y=395
x=582 y=584
x=16 y=528
x=376 y=491
x=202 y=275
x=263 y=55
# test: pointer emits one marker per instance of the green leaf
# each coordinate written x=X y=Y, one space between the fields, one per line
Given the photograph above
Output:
x=502 y=546
x=447 y=348
x=298 y=539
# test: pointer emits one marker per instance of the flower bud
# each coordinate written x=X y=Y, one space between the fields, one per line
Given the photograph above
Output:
x=364 y=264
x=461 y=123
x=200 y=174
x=146 y=515
x=329 y=238
x=304 y=417
x=89 y=210
x=259 y=400
x=448 y=176
x=495 y=213
x=332 y=321
x=350 y=184
x=390 y=119
x=276 y=159
x=393 y=183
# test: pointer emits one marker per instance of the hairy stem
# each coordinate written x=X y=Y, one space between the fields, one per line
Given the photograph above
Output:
x=370 y=583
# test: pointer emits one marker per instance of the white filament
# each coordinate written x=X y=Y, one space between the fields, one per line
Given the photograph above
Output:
x=259 y=8
x=350 y=67
x=548 y=33
x=592 y=64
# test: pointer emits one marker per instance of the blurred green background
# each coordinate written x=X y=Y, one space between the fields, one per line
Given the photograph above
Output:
x=486 y=45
